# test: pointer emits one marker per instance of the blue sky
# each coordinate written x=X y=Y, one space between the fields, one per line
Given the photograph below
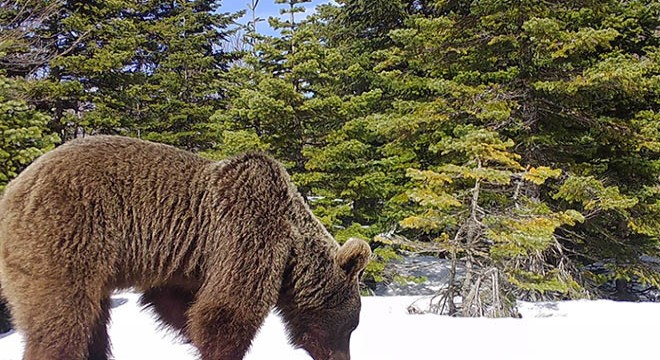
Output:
x=265 y=9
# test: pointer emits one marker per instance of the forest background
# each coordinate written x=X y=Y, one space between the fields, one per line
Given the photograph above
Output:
x=519 y=140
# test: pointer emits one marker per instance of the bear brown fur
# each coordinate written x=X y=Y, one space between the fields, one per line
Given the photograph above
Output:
x=212 y=245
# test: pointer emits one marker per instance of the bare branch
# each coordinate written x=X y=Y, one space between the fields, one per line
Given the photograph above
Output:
x=20 y=48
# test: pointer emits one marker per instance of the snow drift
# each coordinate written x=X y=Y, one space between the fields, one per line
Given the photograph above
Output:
x=558 y=330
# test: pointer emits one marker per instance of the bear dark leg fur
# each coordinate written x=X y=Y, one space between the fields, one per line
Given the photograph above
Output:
x=219 y=332
x=171 y=305
x=228 y=310
x=99 y=346
x=223 y=324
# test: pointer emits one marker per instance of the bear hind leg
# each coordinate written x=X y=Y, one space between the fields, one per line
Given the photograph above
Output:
x=99 y=346
x=171 y=305
x=50 y=335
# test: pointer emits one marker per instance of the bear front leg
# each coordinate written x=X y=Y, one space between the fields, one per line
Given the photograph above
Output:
x=229 y=309
x=220 y=332
x=243 y=283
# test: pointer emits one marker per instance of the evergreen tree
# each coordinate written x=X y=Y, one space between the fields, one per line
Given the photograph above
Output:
x=346 y=168
x=23 y=130
x=477 y=206
x=283 y=99
x=265 y=107
x=147 y=69
x=574 y=86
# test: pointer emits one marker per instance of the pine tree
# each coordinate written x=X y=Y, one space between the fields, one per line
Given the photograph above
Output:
x=188 y=82
x=265 y=99
x=598 y=120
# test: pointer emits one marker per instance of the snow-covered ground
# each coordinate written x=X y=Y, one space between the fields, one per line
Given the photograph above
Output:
x=563 y=330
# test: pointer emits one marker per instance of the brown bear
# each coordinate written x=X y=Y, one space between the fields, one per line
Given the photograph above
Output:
x=212 y=245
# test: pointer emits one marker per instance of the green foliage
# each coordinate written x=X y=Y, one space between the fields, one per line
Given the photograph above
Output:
x=231 y=143
x=279 y=94
x=540 y=174
x=593 y=194
x=143 y=68
x=354 y=231
x=457 y=206
x=528 y=232
x=24 y=133
x=551 y=281
x=375 y=270
x=409 y=279
x=522 y=136
x=494 y=98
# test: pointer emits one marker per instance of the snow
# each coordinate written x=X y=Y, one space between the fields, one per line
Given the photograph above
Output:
x=581 y=329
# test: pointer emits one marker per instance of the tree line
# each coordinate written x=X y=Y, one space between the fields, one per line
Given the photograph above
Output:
x=520 y=140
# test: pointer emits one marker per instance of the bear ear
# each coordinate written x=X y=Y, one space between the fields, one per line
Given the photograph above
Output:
x=353 y=257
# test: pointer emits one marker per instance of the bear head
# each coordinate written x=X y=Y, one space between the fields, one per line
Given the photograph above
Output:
x=324 y=331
